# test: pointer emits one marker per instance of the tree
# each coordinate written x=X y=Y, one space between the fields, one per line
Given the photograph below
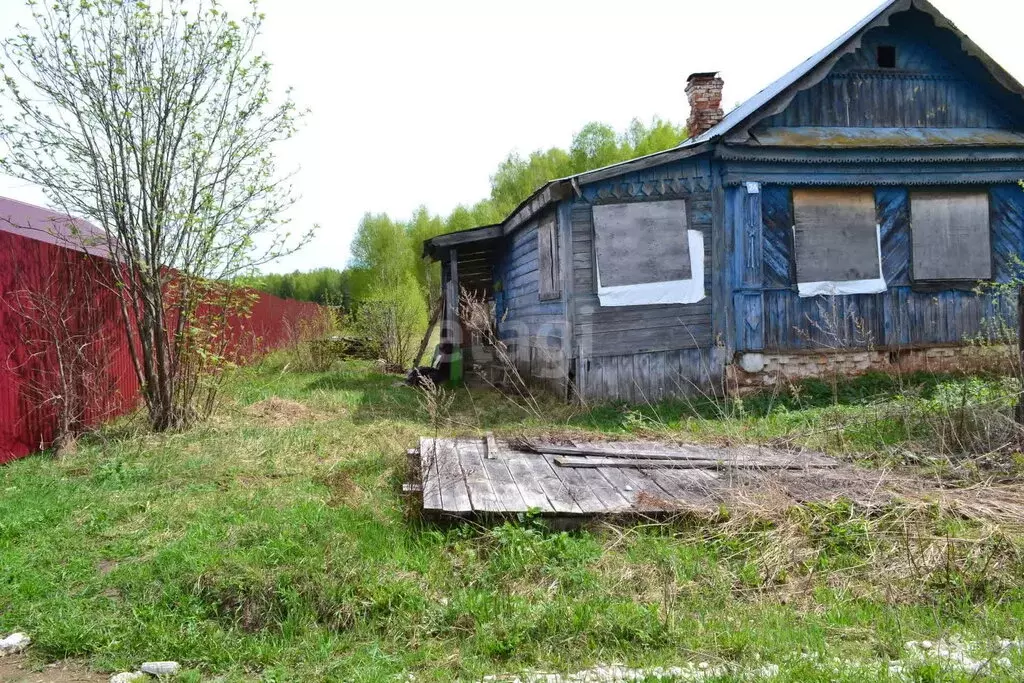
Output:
x=157 y=123
x=382 y=246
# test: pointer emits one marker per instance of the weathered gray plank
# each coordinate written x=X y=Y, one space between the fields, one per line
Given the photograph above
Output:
x=451 y=478
x=503 y=484
x=428 y=473
x=836 y=238
x=628 y=343
x=613 y=500
x=643 y=494
x=557 y=494
x=527 y=482
x=951 y=235
x=569 y=462
x=481 y=493
x=548 y=265
x=657 y=498
x=689 y=486
x=579 y=489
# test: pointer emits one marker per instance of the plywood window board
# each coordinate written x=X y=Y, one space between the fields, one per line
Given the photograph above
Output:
x=950 y=235
x=647 y=255
x=837 y=242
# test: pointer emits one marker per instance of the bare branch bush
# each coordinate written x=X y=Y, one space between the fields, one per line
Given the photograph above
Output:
x=964 y=419
x=475 y=313
x=157 y=123
x=310 y=343
x=64 y=364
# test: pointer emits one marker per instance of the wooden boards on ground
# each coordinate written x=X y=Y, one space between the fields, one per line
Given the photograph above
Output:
x=484 y=476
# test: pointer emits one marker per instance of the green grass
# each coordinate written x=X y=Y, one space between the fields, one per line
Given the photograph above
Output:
x=280 y=548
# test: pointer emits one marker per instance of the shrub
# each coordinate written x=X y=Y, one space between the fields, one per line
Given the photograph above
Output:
x=310 y=348
x=391 y=320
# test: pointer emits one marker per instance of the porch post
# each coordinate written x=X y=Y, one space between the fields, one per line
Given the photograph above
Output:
x=453 y=328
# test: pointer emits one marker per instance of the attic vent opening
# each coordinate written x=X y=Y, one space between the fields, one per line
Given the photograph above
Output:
x=886 y=57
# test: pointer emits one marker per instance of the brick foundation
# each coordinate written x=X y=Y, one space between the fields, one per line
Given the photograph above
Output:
x=756 y=370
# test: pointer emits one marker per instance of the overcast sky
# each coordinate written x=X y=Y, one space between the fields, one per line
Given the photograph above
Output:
x=417 y=101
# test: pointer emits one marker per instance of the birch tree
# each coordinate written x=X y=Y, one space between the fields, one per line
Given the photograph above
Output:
x=158 y=123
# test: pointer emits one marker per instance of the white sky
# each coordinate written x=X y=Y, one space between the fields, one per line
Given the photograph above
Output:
x=416 y=102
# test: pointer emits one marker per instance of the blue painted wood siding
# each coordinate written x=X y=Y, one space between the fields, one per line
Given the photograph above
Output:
x=641 y=353
x=771 y=316
x=534 y=330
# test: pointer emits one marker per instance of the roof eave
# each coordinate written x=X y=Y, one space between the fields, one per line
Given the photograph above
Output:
x=435 y=247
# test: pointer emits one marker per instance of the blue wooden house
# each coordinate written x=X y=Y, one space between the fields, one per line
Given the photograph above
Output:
x=854 y=205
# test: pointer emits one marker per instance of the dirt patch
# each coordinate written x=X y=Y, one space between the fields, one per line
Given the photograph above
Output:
x=279 y=412
x=19 y=669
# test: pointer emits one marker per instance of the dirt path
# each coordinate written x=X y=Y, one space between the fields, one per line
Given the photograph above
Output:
x=18 y=669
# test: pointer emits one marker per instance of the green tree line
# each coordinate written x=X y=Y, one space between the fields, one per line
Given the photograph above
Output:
x=387 y=269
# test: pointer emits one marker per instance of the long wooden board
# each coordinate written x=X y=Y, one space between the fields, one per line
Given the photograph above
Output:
x=529 y=486
x=451 y=479
x=461 y=477
x=481 y=492
x=580 y=490
x=570 y=462
x=428 y=474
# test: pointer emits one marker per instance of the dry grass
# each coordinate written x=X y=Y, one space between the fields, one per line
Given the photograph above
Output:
x=279 y=412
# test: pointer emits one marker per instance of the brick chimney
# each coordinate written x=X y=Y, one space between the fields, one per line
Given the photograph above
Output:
x=704 y=91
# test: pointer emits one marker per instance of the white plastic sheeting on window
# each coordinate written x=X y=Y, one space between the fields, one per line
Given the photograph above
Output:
x=843 y=287
x=688 y=291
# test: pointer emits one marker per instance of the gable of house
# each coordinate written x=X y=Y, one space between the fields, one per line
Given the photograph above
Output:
x=908 y=73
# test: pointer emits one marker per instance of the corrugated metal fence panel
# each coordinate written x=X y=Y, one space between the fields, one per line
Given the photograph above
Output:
x=91 y=311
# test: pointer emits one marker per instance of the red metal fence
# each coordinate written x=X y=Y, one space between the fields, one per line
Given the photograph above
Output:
x=34 y=270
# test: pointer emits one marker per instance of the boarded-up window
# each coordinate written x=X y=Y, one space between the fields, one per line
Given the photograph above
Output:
x=547 y=260
x=950 y=235
x=836 y=236
x=641 y=243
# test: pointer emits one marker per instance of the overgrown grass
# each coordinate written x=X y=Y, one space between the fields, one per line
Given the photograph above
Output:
x=275 y=545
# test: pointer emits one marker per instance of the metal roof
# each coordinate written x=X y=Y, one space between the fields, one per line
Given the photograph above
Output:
x=52 y=227
x=764 y=97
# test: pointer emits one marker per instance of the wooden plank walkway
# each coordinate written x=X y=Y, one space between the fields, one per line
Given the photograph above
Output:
x=488 y=477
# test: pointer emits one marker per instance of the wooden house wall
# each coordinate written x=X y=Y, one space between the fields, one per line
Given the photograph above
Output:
x=934 y=85
x=771 y=316
x=640 y=353
x=533 y=330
